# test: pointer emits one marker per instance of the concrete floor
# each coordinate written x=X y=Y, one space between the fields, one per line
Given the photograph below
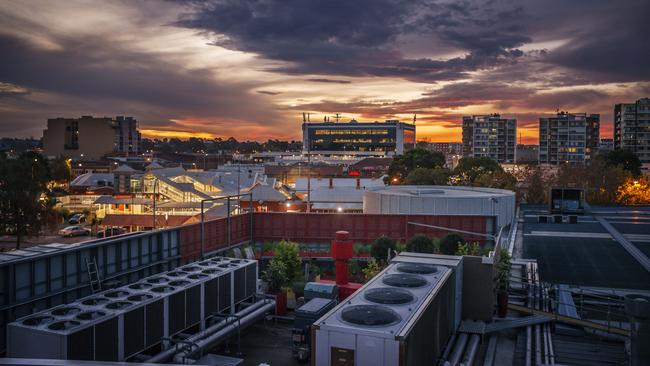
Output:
x=267 y=342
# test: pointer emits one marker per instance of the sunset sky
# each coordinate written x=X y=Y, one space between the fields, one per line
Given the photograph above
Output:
x=249 y=69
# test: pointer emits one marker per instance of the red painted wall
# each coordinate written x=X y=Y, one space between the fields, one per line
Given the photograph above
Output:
x=363 y=228
x=319 y=228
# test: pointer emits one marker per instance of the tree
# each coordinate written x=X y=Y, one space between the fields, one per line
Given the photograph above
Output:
x=287 y=253
x=599 y=180
x=470 y=168
x=634 y=192
x=497 y=179
x=61 y=169
x=420 y=244
x=381 y=246
x=403 y=164
x=624 y=158
x=424 y=176
x=22 y=182
x=537 y=188
x=449 y=244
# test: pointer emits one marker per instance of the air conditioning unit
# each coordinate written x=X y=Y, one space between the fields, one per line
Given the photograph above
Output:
x=117 y=324
x=403 y=316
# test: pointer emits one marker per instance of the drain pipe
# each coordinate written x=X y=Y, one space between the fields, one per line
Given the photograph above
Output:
x=458 y=349
x=214 y=339
x=168 y=354
x=470 y=352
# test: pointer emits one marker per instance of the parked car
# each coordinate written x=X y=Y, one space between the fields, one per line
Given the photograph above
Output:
x=110 y=232
x=77 y=219
x=74 y=231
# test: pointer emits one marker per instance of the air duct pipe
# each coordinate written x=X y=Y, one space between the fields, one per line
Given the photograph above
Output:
x=471 y=349
x=168 y=354
x=213 y=339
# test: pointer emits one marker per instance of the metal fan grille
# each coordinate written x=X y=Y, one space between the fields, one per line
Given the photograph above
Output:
x=67 y=324
x=66 y=311
x=417 y=268
x=388 y=295
x=404 y=280
x=369 y=315
x=88 y=315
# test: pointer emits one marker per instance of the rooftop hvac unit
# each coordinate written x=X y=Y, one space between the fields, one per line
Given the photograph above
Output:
x=403 y=316
x=116 y=324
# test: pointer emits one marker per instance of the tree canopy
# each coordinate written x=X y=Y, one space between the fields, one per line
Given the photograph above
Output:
x=449 y=244
x=22 y=182
x=424 y=176
x=624 y=158
x=420 y=244
x=403 y=164
x=380 y=247
x=469 y=169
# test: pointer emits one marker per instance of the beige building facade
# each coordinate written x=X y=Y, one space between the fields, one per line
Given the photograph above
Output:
x=80 y=138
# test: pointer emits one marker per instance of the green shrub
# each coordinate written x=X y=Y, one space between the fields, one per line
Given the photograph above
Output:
x=381 y=246
x=449 y=244
x=287 y=253
x=275 y=275
x=371 y=269
x=420 y=244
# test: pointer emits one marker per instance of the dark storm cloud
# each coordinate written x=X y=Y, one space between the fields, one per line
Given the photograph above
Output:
x=333 y=81
x=362 y=37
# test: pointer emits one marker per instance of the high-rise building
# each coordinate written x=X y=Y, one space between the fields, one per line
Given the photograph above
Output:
x=90 y=137
x=128 y=136
x=358 y=138
x=446 y=147
x=568 y=138
x=490 y=136
x=632 y=128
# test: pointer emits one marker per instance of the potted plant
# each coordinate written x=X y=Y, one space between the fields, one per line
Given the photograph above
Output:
x=275 y=276
x=503 y=266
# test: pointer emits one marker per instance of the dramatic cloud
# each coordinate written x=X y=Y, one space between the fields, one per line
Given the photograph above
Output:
x=249 y=68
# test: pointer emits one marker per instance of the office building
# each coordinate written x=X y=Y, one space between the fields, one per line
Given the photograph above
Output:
x=568 y=138
x=90 y=137
x=606 y=145
x=632 y=128
x=490 y=136
x=358 y=138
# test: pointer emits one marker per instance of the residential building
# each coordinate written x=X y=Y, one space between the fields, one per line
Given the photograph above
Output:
x=447 y=147
x=527 y=153
x=568 y=138
x=90 y=137
x=128 y=137
x=358 y=138
x=490 y=136
x=632 y=128
x=606 y=145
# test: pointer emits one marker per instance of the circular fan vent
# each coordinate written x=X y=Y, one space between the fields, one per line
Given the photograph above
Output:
x=158 y=280
x=369 y=315
x=236 y=261
x=212 y=271
x=417 y=268
x=196 y=276
x=191 y=268
x=388 y=295
x=95 y=301
x=38 y=320
x=218 y=260
x=177 y=274
x=140 y=286
x=227 y=265
x=118 y=305
x=115 y=294
x=179 y=283
x=64 y=325
x=404 y=280
x=89 y=315
x=139 y=297
x=205 y=263
x=162 y=289
x=65 y=311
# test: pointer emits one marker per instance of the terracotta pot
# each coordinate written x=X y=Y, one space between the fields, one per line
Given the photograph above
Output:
x=502 y=303
x=281 y=303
